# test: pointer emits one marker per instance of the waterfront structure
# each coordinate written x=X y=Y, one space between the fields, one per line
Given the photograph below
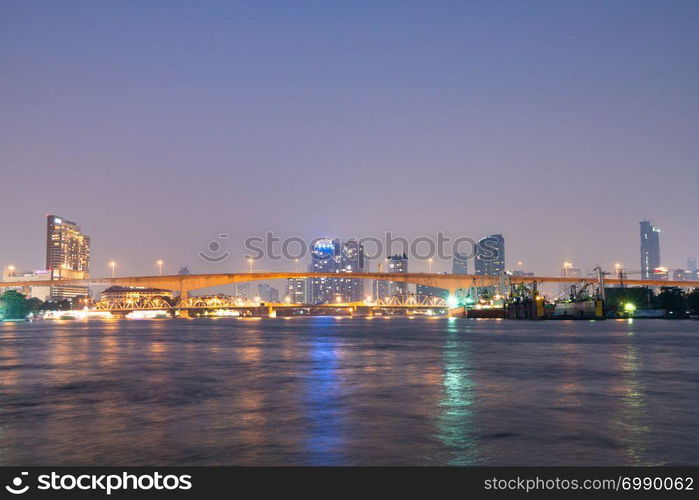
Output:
x=296 y=290
x=125 y=293
x=184 y=285
x=67 y=256
x=650 y=249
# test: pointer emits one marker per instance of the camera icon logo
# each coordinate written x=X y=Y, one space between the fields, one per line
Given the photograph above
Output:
x=16 y=487
x=213 y=253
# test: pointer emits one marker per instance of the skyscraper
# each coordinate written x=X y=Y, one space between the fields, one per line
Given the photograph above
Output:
x=398 y=264
x=67 y=256
x=241 y=292
x=490 y=256
x=380 y=290
x=264 y=292
x=330 y=256
x=296 y=290
x=489 y=260
x=691 y=264
x=325 y=255
x=351 y=261
x=650 y=249
x=459 y=264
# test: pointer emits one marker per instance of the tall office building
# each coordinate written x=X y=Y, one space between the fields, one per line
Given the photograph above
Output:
x=264 y=292
x=490 y=256
x=489 y=260
x=351 y=261
x=296 y=290
x=330 y=256
x=691 y=264
x=241 y=292
x=380 y=289
x=650 y=249
x=325 y=255
x=459 y=264
x=67 y=256
x=398 y=264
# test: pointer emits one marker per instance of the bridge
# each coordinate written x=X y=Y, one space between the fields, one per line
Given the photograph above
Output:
x=211 y=303
x=185 y=283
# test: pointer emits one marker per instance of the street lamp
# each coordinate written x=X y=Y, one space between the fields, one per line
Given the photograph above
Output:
x=112 y=264
x=160 y=267
x=429 y=261
x=11 y=269
x=250 y=261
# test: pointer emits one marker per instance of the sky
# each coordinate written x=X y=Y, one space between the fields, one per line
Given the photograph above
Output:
x=159 y=125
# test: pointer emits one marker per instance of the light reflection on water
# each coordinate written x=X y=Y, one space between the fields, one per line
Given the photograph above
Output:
x=350 y=391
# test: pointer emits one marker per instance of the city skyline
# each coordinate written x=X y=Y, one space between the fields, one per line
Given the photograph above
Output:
x=491 y=241
x=165 y=147
x=347 y=234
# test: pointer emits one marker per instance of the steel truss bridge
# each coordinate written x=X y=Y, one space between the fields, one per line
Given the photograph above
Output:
x=223 y=302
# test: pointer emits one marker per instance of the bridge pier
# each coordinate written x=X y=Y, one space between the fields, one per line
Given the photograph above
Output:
x=184 y=295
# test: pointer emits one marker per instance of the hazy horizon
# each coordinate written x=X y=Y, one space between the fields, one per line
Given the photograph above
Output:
x=158 y=126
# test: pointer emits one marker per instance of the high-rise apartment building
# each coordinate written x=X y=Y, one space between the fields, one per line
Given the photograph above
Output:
x=650 y=249
x=67 y=256
x=296 y=290
x=397 y=263
x=331 y=256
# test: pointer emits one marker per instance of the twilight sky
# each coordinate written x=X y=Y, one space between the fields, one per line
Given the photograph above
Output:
x=158 y=125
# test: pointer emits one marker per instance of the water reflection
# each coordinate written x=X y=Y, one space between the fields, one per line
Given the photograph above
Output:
x=348 y=391
x=323 y=399
x=631 y=415
x=456 y=419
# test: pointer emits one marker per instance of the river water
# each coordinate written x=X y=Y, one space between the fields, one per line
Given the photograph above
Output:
x=349 y=391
